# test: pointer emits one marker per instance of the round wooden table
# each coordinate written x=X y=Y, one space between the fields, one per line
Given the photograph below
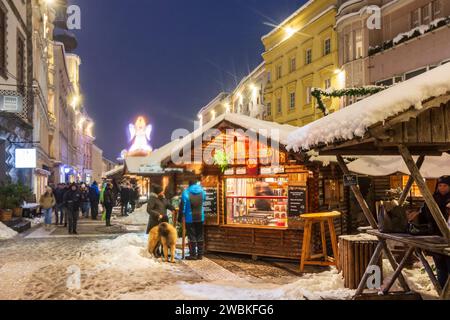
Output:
x=322 y=218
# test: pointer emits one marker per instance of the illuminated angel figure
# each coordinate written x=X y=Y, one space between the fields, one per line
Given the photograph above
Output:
x=140 y=132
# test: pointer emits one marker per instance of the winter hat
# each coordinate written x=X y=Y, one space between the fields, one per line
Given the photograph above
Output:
x=157 y=189
x=445 y=180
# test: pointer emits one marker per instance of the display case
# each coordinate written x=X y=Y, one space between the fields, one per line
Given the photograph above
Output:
x=257 y=202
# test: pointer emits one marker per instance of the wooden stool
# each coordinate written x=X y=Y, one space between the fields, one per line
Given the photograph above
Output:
x=307 y=258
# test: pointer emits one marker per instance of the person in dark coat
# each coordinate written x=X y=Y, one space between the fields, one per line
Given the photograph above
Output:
x=157 y=207
x=125 y=194
x=59 y=208
x=85 y=201
x=72 y=202
x=134 y=197
x=94 y=198
x=108 y=202
x=442 y=198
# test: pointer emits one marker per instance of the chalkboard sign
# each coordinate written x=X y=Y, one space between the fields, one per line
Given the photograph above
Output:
x=297 y=201
x=210 y=204
x=350 y=180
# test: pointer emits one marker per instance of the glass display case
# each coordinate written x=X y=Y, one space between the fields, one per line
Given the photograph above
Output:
x=258 y=202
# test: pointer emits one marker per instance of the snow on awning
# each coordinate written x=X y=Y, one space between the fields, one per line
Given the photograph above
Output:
x=115 y=171
x=354 y=120
x=380 y=166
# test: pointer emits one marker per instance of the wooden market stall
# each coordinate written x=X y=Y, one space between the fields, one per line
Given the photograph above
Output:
x=256 y=196
x=409 y=119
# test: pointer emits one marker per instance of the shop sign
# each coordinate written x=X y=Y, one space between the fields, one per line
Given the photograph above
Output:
x=272 y=170
x=297 y=201
x=151 y=169
x=11 y=103
x=350 y=180
x=210 y=204
x=25 y=159
x=241 y=171
x=229 y=172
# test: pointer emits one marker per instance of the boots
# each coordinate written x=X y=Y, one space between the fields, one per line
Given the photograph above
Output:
x=200 y=250
x=192 y=251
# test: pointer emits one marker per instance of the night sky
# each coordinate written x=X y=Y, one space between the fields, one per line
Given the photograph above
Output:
x=166 y=59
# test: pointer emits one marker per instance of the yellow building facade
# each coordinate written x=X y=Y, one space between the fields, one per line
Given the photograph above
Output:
x=301 y=54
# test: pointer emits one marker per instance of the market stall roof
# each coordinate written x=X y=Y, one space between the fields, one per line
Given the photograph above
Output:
x=433 y=167
x=133 y=164
x=354 y=121
x=238 y=120
x=115 y=171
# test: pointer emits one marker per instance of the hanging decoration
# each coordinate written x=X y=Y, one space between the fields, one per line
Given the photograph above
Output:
x=339 y=93
x=221 y=160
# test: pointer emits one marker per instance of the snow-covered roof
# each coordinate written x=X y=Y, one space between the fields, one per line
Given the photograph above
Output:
x=433 y=167
x=354 y=120
x=114 y=171
x=155 y=158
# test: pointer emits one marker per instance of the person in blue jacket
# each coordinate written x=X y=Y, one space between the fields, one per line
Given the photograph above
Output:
x=193 y=199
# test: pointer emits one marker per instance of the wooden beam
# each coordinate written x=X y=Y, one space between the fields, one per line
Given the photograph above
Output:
x=398 y=271
x=394 y=264
x=359 y=197
x=431 y=203
x=446 y=291
x=373 y=262
x=428 y=270
x=410 y=182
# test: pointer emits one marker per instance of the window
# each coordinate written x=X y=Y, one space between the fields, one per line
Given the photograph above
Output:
x=21 y=63
x=426 y=14
x=292 y=101
x=308 y=95
x=327 y=47
x=436 y=8
x=327 y=84
x=279 y=72
x=415 y=18
x=358 y=44
x=348 y=48
x=269 y=109
x=415 y=73
x=308 y=56
x=260 y=202
x=2 y=42
x=293 y=64
x=279 y=106
x=388 y=82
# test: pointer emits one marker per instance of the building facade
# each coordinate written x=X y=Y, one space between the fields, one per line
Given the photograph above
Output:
x=302 y=54
x=218 y=106
x=16 y=88
x=97 y=164
x=413 y=38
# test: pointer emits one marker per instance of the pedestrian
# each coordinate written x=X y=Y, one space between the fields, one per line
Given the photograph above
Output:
x=125 y=193
x=94 y=198
x=59 y=208
x=157 y=207
x=176 y=201
x=116 y=191
x=72 y=202
x=47 y=203
x=108 y=202
x=193 y=200
x=442 y=198
x=85 y=201
x=134 y=197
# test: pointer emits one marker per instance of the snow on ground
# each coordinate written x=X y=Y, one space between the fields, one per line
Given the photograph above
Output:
x=138 y=217
x=6 y=233
x=354 y=120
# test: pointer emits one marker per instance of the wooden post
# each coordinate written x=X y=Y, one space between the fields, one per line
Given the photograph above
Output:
x=376 y=256
x=429 y=271
x=446 y=291
x=394 y=265
x=183 y=241
x=358 y=195
x=410 y=182
x=398 y=271
x=431 y=203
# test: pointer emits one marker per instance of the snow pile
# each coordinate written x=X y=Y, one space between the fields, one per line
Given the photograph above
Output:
x=139 y=217
x=420 y=30
x=6 y=233
x=353 y=121
x=36 y=221
x=127 y=253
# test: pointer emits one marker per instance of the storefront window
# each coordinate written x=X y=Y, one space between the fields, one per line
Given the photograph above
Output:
x=260 y=202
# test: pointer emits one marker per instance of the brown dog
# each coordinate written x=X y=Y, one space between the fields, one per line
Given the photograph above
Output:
x=166 y=235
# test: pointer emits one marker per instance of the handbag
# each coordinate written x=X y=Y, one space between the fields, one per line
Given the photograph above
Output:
x=394 y=220
x=420 y=229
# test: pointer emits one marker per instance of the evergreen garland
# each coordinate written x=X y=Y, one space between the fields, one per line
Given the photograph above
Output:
x=339 y=93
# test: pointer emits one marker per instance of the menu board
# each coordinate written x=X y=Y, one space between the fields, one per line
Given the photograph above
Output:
x=297 y=201
x=210 y=205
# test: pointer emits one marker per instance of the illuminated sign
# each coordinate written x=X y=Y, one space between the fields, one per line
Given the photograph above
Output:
x=140 y=134
x=25 y=159
x=11 y=103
